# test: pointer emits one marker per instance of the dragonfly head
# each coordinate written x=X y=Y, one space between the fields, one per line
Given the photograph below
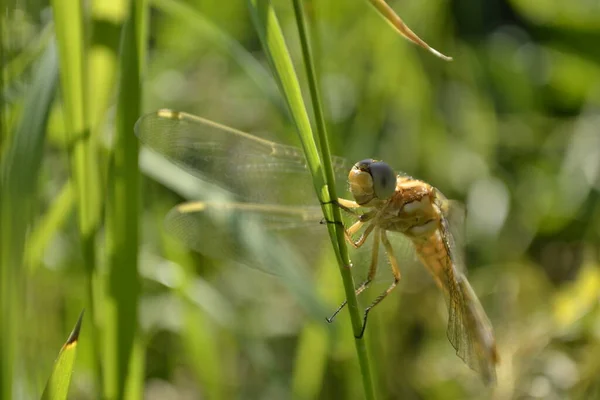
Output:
x=370 y=179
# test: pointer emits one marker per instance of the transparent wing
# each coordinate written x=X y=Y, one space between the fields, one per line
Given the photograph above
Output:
x=231 y=230
x=250 y=235
x=254 y=169
x=469 y=329
x=482 y=334
x=454 y=213
x=236 y=231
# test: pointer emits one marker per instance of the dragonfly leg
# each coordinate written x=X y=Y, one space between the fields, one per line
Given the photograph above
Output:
x=347 y=205
x=395 y=271
x=366 y=282
x=344 y=204
x=361 y=240
x=355 y=227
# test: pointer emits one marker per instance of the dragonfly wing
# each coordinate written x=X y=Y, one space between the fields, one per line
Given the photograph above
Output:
x=253 y=235
x=255 y=169
x=469 y=330
x=238 y=231
x=479 y=327
x=454 y=217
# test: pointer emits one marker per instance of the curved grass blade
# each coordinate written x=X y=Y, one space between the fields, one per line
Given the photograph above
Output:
x=57 y=387
x=388 y=13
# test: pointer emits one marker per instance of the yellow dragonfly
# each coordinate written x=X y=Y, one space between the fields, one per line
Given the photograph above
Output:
x=258 y=171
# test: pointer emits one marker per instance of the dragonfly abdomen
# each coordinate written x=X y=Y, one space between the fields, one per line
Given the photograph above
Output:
x=433 y=255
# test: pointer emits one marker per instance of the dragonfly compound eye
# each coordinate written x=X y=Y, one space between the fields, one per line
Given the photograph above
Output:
x=370 y=179
x=361 y=182
x=384 y=179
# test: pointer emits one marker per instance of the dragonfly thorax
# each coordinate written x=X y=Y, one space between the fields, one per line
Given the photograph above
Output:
x=412 y=210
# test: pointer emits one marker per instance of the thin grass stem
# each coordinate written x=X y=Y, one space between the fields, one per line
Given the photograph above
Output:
x=340 y=242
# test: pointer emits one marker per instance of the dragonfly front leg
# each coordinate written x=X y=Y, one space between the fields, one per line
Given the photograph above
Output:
x=355 y=227
x=395 y=271
x=370 y=275
x=348 y=205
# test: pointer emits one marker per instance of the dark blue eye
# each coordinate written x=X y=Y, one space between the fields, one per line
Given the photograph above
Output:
x=384 y=179
x=365 y=164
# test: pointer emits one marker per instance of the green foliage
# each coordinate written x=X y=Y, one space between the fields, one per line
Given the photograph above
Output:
x=509 y=127
x=20 y=165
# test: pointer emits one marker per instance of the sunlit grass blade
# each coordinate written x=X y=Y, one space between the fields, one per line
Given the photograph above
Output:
x=57 y=387
x=19 y=172
x=269 y=31
x=107 y=18
x=274 y=45
x=344 y=261
x=122 y=220
x=70 y=24
x=390 y=15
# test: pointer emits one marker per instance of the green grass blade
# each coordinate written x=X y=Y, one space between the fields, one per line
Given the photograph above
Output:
x=269 y=31
x=83 y=156
x=107 y=20
x=19 y=170
x=69 y=23
x=57 y=387
x=275 y=47
x=122 y=233
x=271 y=37
x=321 y=132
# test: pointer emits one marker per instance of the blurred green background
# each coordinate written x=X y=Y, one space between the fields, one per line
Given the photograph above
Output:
x=511 y=128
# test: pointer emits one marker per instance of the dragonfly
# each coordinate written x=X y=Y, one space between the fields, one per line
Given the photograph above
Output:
x=258 y=171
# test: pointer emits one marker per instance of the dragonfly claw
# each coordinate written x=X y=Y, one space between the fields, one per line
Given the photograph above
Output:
x=364 y=325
